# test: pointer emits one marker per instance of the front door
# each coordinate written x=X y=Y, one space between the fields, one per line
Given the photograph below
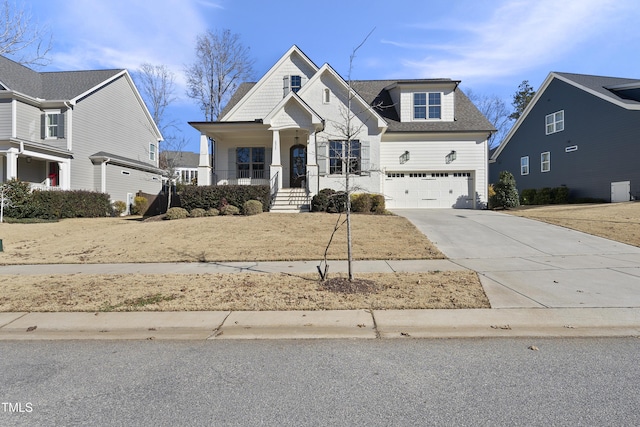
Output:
x=298 y=166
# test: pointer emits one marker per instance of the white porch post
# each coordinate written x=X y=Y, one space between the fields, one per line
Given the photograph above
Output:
x=276 y=162
x=12 y=163
x=64 y=175
x=312 y=166
x=204 y=168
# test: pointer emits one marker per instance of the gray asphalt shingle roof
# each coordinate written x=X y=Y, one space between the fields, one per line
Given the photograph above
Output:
x=374 y=92
x=182 y=159
x=603 y=85
x=58 y=85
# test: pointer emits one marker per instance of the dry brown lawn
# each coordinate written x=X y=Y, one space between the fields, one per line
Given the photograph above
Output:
x=237 y=292
x=263 y=237
x=615 y=221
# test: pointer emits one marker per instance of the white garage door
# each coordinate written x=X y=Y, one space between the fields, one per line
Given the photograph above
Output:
x=429 y=189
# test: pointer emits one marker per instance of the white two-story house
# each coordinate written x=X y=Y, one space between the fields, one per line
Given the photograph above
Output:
x=421 y=142
x=77 y=130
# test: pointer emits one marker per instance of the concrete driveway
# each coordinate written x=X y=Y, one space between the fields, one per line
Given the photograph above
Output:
x=526 y=263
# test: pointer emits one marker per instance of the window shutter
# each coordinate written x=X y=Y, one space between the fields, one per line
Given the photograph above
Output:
x=43 y=126
x=60 y=125
x=365 y=164
x=231 y=173
x=285 y=86
x=322 y=156
x=267 y=157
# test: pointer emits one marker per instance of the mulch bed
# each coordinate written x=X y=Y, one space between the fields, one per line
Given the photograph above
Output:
x=355 y=286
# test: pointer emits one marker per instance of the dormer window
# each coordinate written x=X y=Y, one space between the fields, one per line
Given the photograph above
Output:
x=427 y=105
x=291 y=84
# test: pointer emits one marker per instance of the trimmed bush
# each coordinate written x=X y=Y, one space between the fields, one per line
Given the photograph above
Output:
x=561 y=196
x=543 y=196
x=18 y=193
x=252 y=207
x=361 y=203
x=368 y=203
x=229 y=210
x=207 y=197
x=197 y=213
x=119 y=207
x=140 y=205
x=528 y=196
x=337 y=202
x=177 y=213
x=212 y=212
x=320 y=202
x=378 y=205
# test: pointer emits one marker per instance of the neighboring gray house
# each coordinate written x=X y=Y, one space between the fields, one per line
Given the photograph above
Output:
x=579 y=131
x=77 y=130
x=419 y=142
x=184 y=164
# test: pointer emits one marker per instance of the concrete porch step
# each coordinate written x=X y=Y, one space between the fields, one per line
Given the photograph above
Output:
x=290 y=200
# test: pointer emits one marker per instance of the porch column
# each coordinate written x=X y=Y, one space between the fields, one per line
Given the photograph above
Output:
x=204 y=168
x=312 y=166
x=276 y=163
x=12 y=163
x=64 y=175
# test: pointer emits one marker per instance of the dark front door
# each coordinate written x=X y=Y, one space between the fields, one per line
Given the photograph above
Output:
x=298 y=166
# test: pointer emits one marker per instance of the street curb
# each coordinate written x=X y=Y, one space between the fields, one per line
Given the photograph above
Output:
x=339 y=324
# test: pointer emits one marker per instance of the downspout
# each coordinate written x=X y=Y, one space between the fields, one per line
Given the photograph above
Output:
x=69 y=124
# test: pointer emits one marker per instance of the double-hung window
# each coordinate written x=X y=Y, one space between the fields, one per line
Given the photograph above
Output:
x=545 y=162
x=152 y=152
x=250 y=162
x=427 y=105
x=344 y=157
x=554 y=122
x=524 y=165
x=291 y=84
x=52 y=125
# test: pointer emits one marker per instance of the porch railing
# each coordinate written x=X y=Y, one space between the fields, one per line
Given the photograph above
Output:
x=240 y=177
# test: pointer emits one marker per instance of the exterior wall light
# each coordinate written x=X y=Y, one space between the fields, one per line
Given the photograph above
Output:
x=450 y=157
x=404 y=157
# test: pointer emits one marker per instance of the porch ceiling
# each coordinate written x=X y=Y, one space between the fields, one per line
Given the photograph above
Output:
x=221 y=130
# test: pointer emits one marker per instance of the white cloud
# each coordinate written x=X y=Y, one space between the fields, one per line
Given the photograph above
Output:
x=518 y=35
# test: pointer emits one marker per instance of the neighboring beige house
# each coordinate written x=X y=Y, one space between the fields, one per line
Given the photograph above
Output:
x=77 y=130
x=184 y=164
x=421 y=142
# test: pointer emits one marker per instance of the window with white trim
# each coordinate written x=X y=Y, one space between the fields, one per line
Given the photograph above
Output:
x=326 y=96
x=250 y=162
x=524 y=165
x=53 y=124
x=554 y=122
x=152 y=152
x=427 y=105
x=545 y=162
x=341 y=157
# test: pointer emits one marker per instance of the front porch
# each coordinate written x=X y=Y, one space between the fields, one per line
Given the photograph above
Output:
x=41 y=170
x=255 y=154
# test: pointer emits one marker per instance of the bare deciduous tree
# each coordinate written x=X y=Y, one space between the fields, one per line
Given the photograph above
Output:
x=347 y=131
x=496 y=111
x=157 y=87
x=222 y=63
x=25 y=41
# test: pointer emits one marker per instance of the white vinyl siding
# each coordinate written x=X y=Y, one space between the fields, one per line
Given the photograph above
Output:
x=430 y=157
x=406 y=103
x=122 y=180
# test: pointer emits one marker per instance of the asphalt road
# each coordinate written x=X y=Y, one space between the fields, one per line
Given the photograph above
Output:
x=321 y=382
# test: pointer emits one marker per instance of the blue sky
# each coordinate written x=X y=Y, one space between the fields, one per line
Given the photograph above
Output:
x=491 y=45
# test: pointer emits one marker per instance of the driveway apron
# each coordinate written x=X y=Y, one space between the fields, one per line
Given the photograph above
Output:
x=527 y=263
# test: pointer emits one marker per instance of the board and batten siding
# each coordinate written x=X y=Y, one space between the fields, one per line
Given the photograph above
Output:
x=111 y=120
x=269 y=92
x=430 y=156
x=6 y=115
